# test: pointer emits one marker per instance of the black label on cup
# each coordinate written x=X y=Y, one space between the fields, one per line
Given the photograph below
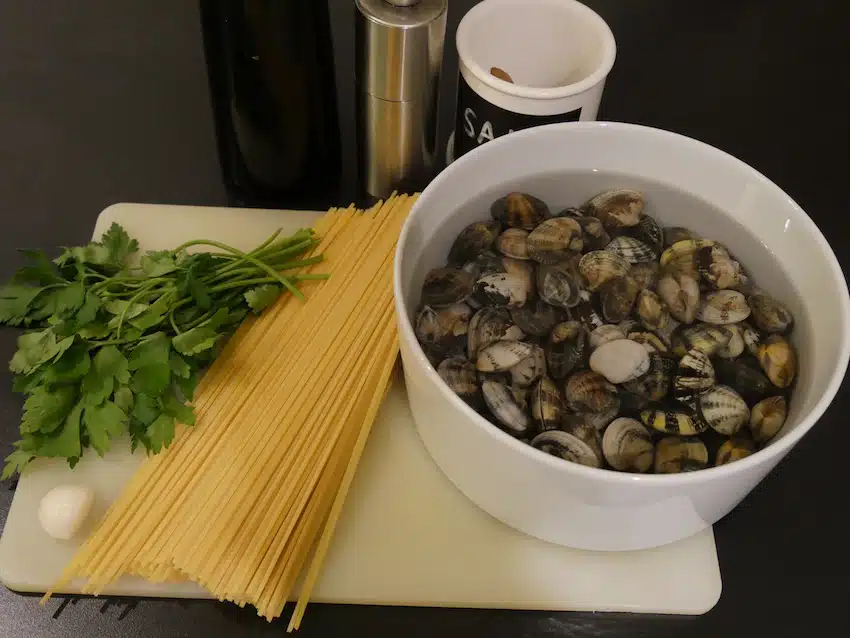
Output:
x=479 y=121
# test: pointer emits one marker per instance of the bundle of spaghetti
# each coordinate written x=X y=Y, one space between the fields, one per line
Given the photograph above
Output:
x=241 y=501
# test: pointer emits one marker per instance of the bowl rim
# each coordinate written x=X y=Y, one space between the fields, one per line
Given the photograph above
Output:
x=775 y=451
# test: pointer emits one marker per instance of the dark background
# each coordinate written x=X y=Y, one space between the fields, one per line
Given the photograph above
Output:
x=105 y=101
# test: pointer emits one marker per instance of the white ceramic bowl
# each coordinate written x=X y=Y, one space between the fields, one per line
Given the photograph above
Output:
x=713 y=193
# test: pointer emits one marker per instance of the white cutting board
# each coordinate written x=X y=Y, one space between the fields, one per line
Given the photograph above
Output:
x=406 y=536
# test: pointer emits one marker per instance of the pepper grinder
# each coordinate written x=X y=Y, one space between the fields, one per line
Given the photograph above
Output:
x=399 y=49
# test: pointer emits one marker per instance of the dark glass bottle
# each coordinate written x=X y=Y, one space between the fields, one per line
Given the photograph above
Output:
x=271 y=73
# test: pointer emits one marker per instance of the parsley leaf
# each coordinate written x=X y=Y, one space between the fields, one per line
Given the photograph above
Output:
x=182 y=412
x=45 y=410
x=158 y=263
x=262 y=297
x=73 y=365
x=107 y=366
x=145 y=409
x=15 y=462
x=119 y=245
x=160 y=433
x=36 y=348
x=189 y=281
x=67 y=442
x=40 y=271
x=123 y=398
x=15 y=302
x=102 y=422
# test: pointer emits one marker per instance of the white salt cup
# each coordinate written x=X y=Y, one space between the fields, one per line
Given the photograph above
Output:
x=558 y=54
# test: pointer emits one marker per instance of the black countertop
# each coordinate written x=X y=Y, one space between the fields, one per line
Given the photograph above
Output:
x=103 y=102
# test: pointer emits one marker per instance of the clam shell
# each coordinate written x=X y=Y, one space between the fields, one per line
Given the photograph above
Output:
x=585 y=312
x=536 y=317
x=778 y=360
x=645 y=274
x=620 y=360
x=446 y=286
x=649 y=340
x=472 y=241
x=487 y=263
x=523 y=269
x=627 y=446
x=631 y=249
x=769 y=314
x=617 y=297
x=718 y=269
x=502 y=355
x=724 y=307
x=650 y=232
x=694 y=375
x=604 y=334
x=570 y=211
x=680 y=291
x=631 y=404
x=752 y=339
x=651 y=310
x=673 y=419
x=748 y=382
x=547 y=404
x=566 y=348
x=554 y=239
x=567 y=447
x=443 y=331
x=507 y=290
x=460 y=375
x=734 y=450
x=600 y=420
x=519 y=210
x=767 y=418
x=723 y=409
x=674 y=234
x=628 y=325
x=655 y=384
x=558 y=285
x=505 y=408
x=598 y=266
x=735 y=346
x=616 y=209
x=704 y=337
x=674 y=455
x=589 y=391
x=513 y=242
x=527 y=371
x=486 y=326
x=682 y=255
x=594 y=233
x=579 y=427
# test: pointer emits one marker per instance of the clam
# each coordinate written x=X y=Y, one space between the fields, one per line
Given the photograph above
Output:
x=508 y=412
x=631 y=249
x=769 y=314
x=767 y=418
x=675 y=418
x=554 y=239
x=487 y=326
x=627 y=446
x=567 y=447
x=472 y=241
x=735 y=346
x=522 y=269
x=570 y=211
x=631 y=404
x=704 y=337
x=519 y=210
x=527 y=371
x=616 y=209
x=651 y=310
x=675 y=234
x=718 y=269
x=682 y=255
x=558 y=285
x=508 y=290
x=694 y=375
x=645 y=274
x=650 y=232
x=460 y=375
x=566 y=348
x=680 y=291
x=585 y=312
x=589 y=391
x=655 y=384
x=723 y=307
x=502 y=355
x=536 y=317
x=513 y=243
x=600 y=420
x=747 y=381
x=734 y=450
x=778 y=360
x=752 y=339
x=617 y=297
x=629 y=324
x=667 y=329
x=443 y=331
x=598 y=266
x=723 y=409
x=594 y=233
x=649 y=340
x=604 y=334
x=487 y=263
x=579 y=427
x=547 y=404
x=674 y=455
x=446 y=286
x=620 y=361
